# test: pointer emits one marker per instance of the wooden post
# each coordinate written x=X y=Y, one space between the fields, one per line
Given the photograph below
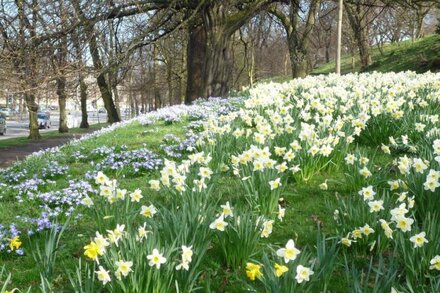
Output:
x=339 y=40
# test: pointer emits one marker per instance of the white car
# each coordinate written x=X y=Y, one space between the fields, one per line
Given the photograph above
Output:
x=43 y=120
x=2 y=124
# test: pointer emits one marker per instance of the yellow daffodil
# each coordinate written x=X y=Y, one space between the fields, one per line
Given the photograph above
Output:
x=15 y=243
x=253 y=271
x=280 y=270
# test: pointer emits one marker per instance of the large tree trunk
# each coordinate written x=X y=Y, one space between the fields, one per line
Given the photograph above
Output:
x=218 y=65
x=209 y=45
x=196 y=56
x=62 y=97
x=298 y=58
x=83 y=98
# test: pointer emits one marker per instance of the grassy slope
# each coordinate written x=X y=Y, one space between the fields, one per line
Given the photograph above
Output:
x=406 y=55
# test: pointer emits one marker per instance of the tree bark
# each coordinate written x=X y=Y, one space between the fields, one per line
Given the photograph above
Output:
x=196 y=56
x=62 y=97
x=83 y=99
x=218 y=65
x=298 y=61
x=357 y=16
x=34 y=132
x=209 y=45
x=106 y=92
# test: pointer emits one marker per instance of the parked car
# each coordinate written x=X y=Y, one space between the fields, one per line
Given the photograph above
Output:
x=2 y=124
x=43 y=120
x=5 y=111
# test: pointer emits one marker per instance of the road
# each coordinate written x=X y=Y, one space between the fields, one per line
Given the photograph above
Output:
x=17 y=127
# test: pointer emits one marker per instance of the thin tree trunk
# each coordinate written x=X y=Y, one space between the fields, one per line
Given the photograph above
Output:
x=106 y=93
x=83 y=97
x=104 y=88
x=28 y=61
x=62 y=97
x=34 y=132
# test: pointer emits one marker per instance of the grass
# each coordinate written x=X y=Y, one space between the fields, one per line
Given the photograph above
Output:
x=17 y=141
x=418 y=56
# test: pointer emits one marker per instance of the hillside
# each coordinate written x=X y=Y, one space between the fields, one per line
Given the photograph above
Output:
x=421 y=56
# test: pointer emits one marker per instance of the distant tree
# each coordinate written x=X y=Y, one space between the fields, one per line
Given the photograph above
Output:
x=298 y=19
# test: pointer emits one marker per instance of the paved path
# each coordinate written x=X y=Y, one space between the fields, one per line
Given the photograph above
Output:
x=19 y=126
x=11 y=154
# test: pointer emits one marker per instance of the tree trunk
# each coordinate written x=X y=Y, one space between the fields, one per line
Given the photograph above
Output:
x=218 y=66
x=298 y=60
x=62 y=97
x=83 y=98
x=358 y=21
x=196 y=56
x=34 y=132
x=419 y=26
x=106 y=93
x=116 y=95
x=170 y=83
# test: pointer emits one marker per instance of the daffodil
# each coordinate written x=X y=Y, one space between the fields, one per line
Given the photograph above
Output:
x=419 y=239
x=219 y=224
x=148 y=211
x=103 y=275
x=227 y=210
x=101 y=178
x=91 y=250
x=386 y=228
x=253 y=271
x=274 y=184
x=123 y=268
x=15 y=243
x=290 y=252
x=281 y=213
x=404 y=223
x=155 y=184
x=435 y=263
x=280 y=270
x=375 y=206
x=366 y=230
x=156 y=259
x=303 y=274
